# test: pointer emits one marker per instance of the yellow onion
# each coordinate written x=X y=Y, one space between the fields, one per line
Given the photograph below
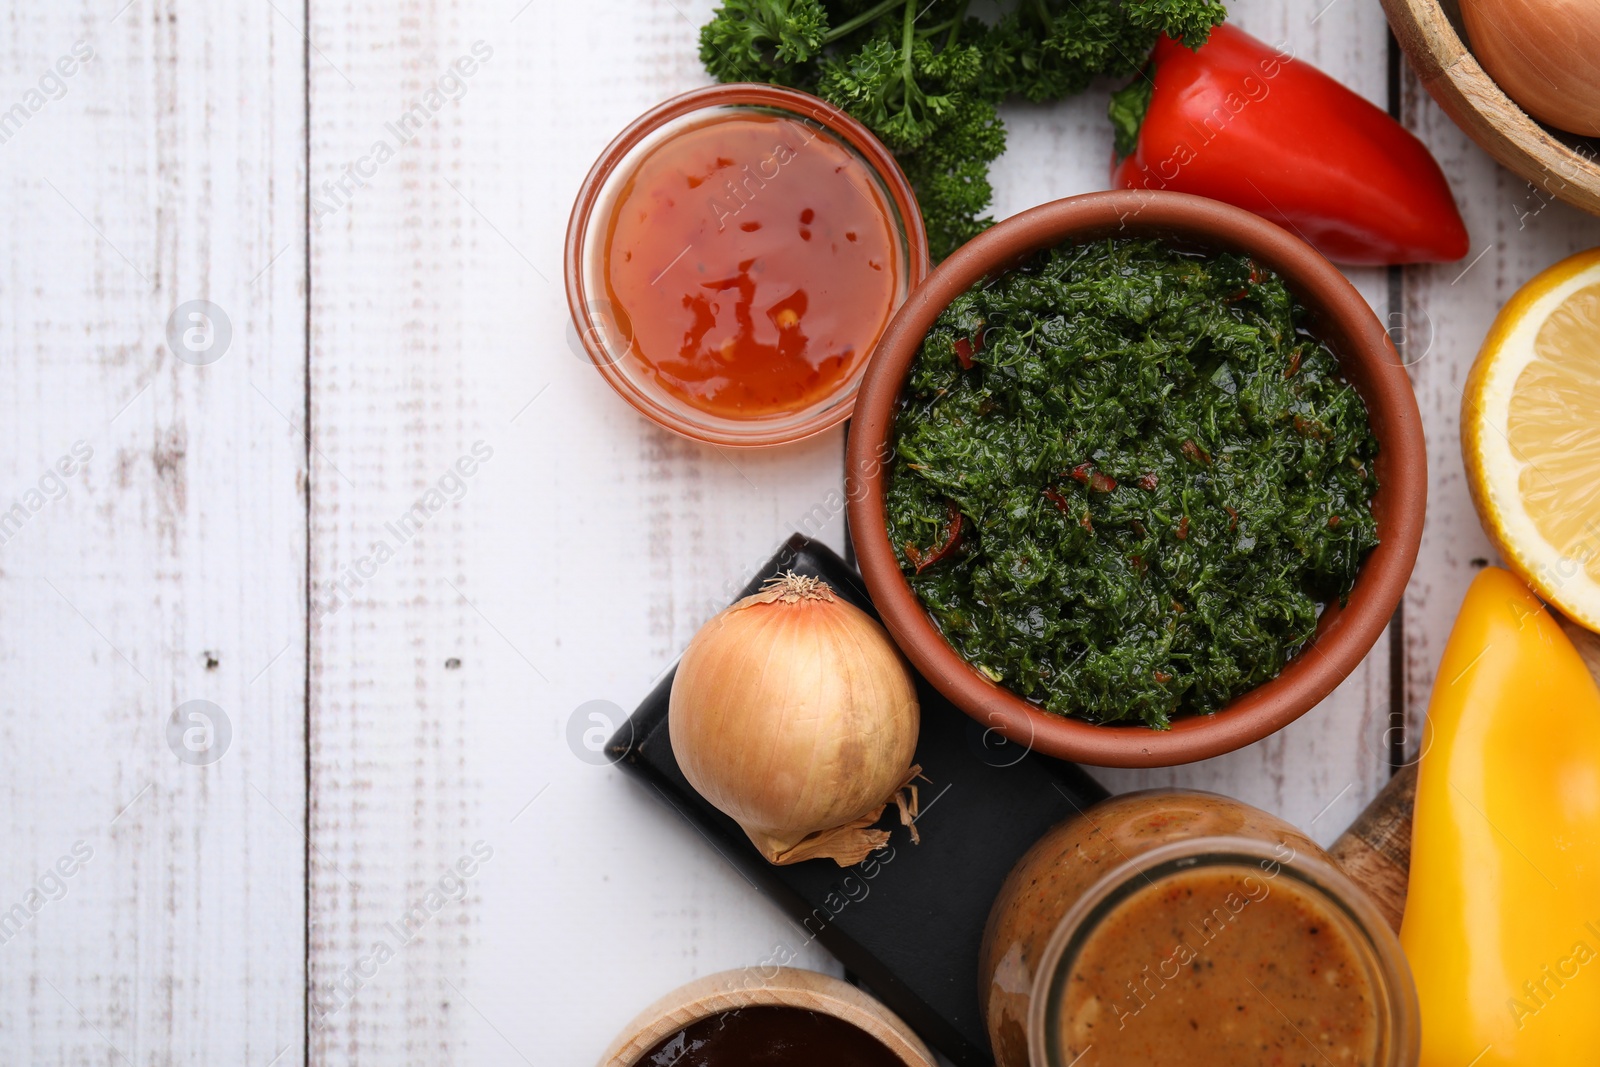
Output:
x=1545 y=54
x=795 y=715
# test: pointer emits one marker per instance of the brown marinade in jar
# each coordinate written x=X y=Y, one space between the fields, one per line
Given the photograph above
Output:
x=1175 y=927
x=1215 y=966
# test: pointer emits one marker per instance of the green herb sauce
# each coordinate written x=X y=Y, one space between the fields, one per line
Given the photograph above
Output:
x=1125 y=479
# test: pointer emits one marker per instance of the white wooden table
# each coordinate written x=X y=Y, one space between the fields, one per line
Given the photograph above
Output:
x=382 y=720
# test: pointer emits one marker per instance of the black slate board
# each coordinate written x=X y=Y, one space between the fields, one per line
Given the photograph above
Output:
x=907 y=922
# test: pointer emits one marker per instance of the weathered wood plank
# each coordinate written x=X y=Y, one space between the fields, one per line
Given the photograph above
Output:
x=453 y=683
x=152 y=535
x=1517 y=230
x=581 y=556
x=579 y=560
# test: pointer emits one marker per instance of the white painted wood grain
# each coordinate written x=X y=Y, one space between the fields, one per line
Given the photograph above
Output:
x=581 y=557
x=579 y=561
x=1516 y=232
x=575 y=563
x=170 y=569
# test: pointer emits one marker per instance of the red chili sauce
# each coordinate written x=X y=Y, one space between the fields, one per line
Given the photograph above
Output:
x=753 y=262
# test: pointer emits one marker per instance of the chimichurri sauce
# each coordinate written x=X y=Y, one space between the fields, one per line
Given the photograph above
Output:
x=1126 y=478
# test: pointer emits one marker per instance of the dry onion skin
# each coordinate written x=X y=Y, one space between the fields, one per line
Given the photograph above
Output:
x=1545 y=54
x=794 y=714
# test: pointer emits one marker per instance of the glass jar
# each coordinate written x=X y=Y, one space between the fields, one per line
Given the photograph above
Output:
x=1189 y=925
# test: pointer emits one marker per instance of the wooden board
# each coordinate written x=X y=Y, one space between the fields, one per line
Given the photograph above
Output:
x=1517 y=230
x=578 y=561
x=454 y=687
x=168 y=566
x=586 y=552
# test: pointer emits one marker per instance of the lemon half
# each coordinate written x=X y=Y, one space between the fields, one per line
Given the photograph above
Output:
x=1530 y=435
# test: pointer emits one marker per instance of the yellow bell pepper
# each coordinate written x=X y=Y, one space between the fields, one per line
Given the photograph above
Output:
x=1502 y=917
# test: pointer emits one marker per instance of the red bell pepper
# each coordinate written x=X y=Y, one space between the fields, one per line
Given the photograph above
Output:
x=1248 y=124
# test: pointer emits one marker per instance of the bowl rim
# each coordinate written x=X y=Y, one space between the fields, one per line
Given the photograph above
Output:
x=764 y=986
x=1553 y=160
x=896 y=187
x=1343 y=635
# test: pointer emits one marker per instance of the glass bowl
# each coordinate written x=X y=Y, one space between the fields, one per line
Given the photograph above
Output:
x=605 y=335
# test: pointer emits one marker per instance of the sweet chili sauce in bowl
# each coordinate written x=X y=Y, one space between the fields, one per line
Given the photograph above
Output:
x=734 y=256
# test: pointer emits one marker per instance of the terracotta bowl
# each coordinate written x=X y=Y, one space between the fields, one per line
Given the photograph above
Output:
x=753 y=987
x=1339 y=316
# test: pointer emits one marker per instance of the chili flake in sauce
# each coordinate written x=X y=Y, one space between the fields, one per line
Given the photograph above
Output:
x=1154 y=474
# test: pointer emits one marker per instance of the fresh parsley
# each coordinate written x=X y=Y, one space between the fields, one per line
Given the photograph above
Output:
x=927 y=75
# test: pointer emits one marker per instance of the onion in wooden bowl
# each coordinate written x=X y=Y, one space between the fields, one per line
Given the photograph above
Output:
x=1432 y=34
x=1545 y=54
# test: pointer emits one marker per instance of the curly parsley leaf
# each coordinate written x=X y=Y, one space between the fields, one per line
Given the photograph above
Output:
x=760 y=40
x=1189 y=21
x=950 y=172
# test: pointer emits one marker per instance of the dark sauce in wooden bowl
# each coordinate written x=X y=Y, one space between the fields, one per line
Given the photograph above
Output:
x=770 y=1037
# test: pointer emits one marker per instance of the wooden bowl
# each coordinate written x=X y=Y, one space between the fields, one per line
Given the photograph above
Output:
x=1339 y=316
x=755 y=987
x=1562 y=164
